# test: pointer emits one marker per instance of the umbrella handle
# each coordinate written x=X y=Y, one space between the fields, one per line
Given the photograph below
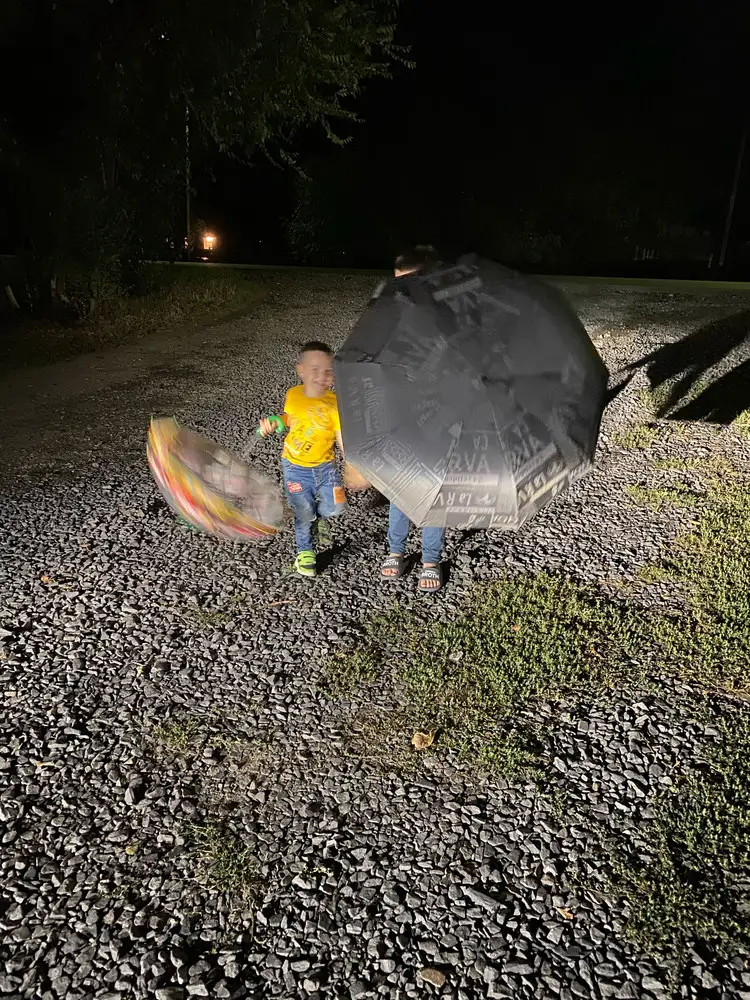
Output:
x=278 y=425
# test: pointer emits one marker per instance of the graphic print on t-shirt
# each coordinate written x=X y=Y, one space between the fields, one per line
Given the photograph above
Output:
x=313 y=425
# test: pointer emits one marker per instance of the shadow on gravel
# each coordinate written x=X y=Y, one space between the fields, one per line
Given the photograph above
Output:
x=681 y=373
x=327 y=558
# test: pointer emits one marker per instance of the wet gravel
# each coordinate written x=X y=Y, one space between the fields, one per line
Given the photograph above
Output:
x=115 y=621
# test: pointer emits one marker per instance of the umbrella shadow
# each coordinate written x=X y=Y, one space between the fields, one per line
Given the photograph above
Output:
x=614 y=391
x=680 y=373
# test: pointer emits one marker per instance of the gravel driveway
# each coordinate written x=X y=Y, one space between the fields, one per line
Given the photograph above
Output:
x=156 y=684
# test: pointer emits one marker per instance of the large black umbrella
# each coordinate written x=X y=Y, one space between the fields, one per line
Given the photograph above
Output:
x=470 y=396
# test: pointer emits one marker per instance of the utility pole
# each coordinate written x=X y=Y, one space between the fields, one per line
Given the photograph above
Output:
x=733 y=196
x=187 y=181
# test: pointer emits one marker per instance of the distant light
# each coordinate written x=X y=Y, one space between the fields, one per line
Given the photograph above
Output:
x=209 y=241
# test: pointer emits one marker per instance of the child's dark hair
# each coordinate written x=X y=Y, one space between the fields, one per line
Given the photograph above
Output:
x=315 y=345
x=420 y=258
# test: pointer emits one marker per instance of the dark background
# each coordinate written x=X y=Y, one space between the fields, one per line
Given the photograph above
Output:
x=602 y=126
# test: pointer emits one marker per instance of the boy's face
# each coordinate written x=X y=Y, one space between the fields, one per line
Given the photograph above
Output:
x=315 y=369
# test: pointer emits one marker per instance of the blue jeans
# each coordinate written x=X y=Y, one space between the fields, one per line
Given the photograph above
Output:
x=312 y=493
x=398 y=530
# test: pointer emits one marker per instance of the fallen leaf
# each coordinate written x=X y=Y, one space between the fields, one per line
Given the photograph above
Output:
x=515 y=628
x=420 y=741
x=434 y=976
x=565 y=912
x=46 y=579
x=131 y=849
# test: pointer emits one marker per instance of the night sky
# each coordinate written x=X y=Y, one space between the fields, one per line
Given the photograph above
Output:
x=507 y=106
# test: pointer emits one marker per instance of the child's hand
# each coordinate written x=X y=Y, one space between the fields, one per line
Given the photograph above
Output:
x=353 y=481
x=266 y=427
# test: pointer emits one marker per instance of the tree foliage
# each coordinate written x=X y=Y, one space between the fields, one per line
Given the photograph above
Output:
x=100 y=98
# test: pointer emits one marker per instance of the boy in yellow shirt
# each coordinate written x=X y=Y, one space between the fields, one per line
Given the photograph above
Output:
x=311 y=477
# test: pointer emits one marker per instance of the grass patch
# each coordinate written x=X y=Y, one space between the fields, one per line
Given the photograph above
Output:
x=710 y=642
x=352 y=667
x=223 y=864
x=517 y=642
x=208 y=617
x=714 y=468
x=174 y=297
x=657 y=498
x=650 y=574
x=637 y=437
x=513 y=754
x=382 y=737
x=694 y=882
x=189 y=736
x=670 y=395
x=741 y=423
x=181 y=737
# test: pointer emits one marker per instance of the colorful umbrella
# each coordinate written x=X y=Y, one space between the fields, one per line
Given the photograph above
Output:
x=210 y=488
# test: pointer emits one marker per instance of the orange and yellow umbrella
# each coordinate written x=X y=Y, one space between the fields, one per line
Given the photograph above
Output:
x=209 y=487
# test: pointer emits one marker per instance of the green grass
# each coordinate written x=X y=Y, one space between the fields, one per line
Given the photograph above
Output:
x=654 y=574
x=661 y=396
x=352 y=667
x=179 y=736
x=657 y=498
x=636 y=437
x=223 y=865
x=515 y=643
x=526 y=639
x=518 y=641
x=710 y=642
x=208 y=618
x=189 y=736
x=712 y=466
x=741 y=423
x=691 y=882
x=176 y=297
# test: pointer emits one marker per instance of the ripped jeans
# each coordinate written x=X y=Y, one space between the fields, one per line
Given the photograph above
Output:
x=312 y=493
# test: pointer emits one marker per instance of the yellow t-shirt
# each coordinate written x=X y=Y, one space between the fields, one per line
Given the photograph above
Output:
x=313 y=425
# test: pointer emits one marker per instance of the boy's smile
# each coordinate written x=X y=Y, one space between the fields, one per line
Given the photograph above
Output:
x=315 y=370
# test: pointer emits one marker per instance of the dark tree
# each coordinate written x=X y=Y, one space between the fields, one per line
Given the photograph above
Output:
x=101 y=99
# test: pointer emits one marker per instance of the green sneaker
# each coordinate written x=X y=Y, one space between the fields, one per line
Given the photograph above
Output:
x=304 y=564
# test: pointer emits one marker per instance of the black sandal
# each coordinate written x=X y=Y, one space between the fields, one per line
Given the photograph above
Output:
x=428 y=574
x=395 y=563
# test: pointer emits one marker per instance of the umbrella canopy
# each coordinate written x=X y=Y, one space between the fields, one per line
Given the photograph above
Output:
x=210 y=488
x=470 y=396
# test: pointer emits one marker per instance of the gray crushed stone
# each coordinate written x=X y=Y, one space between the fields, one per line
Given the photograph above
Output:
x=114 y=620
